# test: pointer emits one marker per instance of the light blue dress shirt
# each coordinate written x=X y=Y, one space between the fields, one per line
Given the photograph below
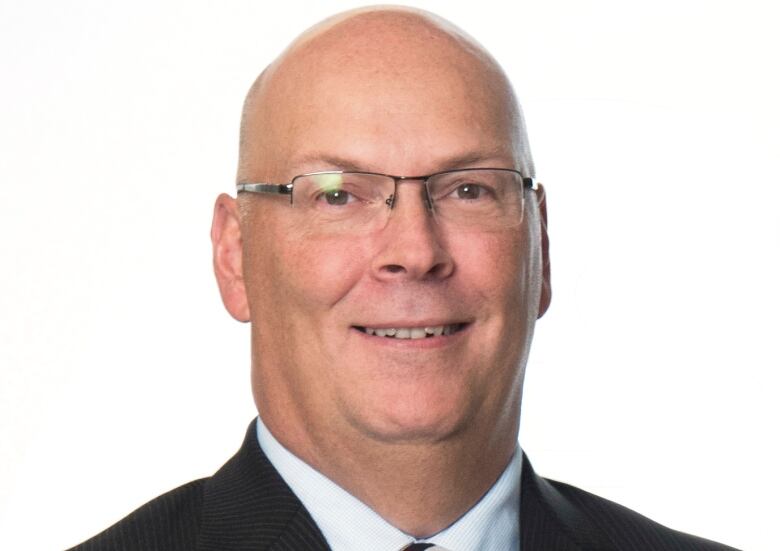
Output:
x=348 y=524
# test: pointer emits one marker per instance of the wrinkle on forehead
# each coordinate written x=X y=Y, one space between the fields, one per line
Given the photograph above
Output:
x=389 y=52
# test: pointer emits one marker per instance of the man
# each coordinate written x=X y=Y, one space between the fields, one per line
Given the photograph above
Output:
x=388 y=246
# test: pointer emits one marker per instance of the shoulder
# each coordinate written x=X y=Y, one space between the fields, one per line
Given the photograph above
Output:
x=627 y=529
x=170 y=522
x=560 y=517
x=245 y=505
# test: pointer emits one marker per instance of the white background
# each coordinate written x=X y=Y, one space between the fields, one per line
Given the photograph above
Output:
x=653 y=379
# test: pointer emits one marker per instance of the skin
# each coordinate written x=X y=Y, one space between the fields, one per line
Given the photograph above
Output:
x=418 y=430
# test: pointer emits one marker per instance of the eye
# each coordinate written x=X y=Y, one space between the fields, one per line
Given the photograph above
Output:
x=337 y=197
x=471 y=191
x=341 y=192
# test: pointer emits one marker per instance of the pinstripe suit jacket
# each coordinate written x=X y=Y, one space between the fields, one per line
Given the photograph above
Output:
x=247 y=506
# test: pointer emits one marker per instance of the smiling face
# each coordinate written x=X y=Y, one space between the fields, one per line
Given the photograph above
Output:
x=415 y=331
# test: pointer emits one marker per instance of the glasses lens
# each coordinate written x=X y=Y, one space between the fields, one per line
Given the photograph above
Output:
x=482 y=198
x=342 y=200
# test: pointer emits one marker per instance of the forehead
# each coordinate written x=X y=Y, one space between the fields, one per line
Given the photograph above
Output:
x=394 y=96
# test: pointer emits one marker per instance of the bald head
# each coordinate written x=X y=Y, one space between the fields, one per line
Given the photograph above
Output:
x=383 y=76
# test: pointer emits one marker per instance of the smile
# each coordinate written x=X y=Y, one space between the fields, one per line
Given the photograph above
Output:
x=412 y=332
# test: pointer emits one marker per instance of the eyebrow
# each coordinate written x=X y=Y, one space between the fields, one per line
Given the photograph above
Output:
x=325 y=161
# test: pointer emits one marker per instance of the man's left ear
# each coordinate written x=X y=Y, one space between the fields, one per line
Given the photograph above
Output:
x=546 y=295
x=228 y=257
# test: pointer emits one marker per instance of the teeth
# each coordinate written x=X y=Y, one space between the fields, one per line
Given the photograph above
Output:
x=412 y=332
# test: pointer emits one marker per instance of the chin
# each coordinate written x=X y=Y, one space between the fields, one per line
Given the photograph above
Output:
x=410 y=420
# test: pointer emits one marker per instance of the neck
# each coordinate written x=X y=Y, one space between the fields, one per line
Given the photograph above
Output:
x=419 y=487
x=423 y=489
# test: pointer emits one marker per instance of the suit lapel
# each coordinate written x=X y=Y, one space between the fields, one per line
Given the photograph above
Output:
x=548 y=521
x=248 y=506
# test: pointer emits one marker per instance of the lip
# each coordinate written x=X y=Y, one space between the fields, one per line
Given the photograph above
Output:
x=430 y=341
x=417 y=322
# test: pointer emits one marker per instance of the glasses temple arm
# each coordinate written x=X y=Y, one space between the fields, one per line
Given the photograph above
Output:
x=281 y=189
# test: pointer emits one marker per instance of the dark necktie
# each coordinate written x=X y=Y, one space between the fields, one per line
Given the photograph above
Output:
x=417 y=546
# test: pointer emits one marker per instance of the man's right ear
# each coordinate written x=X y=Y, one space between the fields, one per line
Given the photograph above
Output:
x=227 y=248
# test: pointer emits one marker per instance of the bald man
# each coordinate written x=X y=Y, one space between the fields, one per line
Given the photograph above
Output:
x=388 y=246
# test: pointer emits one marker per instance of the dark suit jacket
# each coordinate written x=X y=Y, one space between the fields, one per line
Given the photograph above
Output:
x=247 y=506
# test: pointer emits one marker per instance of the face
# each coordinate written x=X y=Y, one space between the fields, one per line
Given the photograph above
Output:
x=315 y=298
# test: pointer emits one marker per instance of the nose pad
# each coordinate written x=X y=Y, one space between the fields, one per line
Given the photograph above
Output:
x=390 y=201
x=427 y=197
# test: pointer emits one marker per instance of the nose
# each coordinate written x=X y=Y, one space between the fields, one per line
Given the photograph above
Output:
x=411 y=245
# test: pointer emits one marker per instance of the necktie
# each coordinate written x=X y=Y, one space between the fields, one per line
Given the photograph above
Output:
x=421 y=546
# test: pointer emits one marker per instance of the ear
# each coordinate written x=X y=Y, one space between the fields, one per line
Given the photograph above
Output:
x=546 y=296
x=227 y=248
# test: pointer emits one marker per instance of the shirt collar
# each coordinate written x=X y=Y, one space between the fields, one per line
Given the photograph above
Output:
x=348 y=524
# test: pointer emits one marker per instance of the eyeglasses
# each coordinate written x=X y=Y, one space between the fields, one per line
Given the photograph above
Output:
x=337 y=201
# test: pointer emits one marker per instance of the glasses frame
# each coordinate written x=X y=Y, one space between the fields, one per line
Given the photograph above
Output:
x=287 y=189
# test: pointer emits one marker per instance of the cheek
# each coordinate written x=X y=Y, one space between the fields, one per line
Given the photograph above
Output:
x=495 y=265
x=499 y=269
x=321 y=271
